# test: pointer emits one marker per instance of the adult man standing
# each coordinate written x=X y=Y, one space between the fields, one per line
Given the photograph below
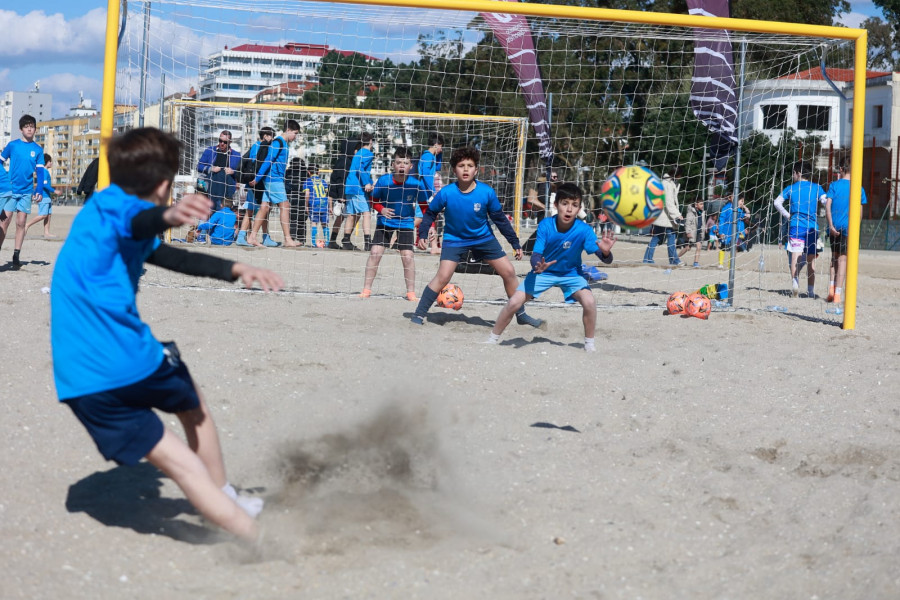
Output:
x=218 y=165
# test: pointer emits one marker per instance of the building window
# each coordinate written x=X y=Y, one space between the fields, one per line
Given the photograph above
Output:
x=850 y=116
x=878 y=116
x=813 y=118
x=774 y=116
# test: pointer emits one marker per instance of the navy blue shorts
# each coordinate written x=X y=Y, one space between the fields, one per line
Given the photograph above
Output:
x=122 y=422
x=489 y=250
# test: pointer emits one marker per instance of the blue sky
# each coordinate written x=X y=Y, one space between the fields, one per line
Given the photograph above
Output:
x=61 y=45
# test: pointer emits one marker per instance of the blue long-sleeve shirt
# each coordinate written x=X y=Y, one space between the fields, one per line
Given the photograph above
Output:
x=359 y=175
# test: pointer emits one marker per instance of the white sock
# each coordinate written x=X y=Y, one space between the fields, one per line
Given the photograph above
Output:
x=250 y=505
x=838 y=291
x=589 y=345
x=493 y=339
x=831 y=284
x=795 y=282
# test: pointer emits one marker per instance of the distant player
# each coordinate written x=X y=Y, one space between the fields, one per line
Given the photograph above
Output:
x=556 y=262
x=318 y=204
x=108 y=367
x=24 y=157
x=356 y=189
x=45 y=207
x=803 y=198
x=273 y=170
x=837 y=211
x=468 y=206
x=395 y=198
x=257 y=156
x=430 y=161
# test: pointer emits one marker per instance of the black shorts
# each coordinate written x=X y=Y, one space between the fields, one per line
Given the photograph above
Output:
x=122 y=422
x=838 y=243
x=383 y=235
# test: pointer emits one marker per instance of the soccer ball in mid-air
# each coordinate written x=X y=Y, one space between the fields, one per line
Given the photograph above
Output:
x=676 y=303
x=450 y=297
x=633 y=196
x=698 y=306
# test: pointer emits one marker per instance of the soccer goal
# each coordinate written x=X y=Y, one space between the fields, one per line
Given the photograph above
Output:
x=544 y=91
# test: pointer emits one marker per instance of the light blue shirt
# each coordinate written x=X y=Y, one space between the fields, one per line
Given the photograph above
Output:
x=566 y=247
x=803 y=197
x=24 y=157
x=839 y=192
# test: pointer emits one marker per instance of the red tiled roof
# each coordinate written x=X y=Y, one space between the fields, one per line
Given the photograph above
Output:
x=296 y=49
x=833 y=74
x=290 y=87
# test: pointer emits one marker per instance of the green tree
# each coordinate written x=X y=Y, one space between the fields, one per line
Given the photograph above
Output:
x=344 y=77
x=884 y=48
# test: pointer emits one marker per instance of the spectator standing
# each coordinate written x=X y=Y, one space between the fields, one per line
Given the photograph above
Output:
x=218 y=165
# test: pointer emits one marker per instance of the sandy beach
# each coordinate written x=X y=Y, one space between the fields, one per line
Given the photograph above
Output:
x=753 y=455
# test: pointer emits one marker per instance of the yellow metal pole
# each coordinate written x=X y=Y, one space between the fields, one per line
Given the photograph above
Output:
x=108 y=97
x=856 y=161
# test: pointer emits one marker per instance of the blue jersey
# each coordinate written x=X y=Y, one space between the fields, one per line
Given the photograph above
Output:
x=402 y=198
x=318 y=194
x=429 y=164
x=24 y=157
x=44 y=174
x=803 y=197
x=220 y=227
x=726 y=214
x=98 y=340
x=276 y=161
x=839 y=192
x=565 y=247
x=358 y=175
x=466 y=215
x=5 y=186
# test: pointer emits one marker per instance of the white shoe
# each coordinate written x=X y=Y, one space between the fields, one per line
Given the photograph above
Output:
x=249 y=504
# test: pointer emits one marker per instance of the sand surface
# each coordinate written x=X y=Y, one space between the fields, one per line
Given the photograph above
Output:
x=754 y=455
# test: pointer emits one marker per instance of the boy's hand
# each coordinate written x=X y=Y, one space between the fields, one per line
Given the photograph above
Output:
x=269 y=281
x=607 y=241
x=519 y=253
x=422 y=244
x=542 y=266
x=188 y=209
x=388 y=213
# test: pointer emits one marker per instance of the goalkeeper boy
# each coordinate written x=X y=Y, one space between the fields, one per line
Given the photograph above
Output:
x=556 y=262
x=108 y=367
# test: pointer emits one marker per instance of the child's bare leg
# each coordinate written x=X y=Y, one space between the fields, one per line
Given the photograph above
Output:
x=20 y=229
x=261 y=217
x=34 y=221
x=285 y=215
x=589 y=311
x=203 y=438
x=367 y=222
x=47 y=226
x=409 y=269
x=516 y=301
x=174 y=458
x=507 y=272
x=375 y=254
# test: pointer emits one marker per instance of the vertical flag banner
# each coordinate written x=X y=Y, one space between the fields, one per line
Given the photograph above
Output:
x=514 y=33
x=713 y=98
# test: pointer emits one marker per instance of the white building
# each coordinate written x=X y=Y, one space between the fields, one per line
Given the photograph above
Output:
x=15 y=104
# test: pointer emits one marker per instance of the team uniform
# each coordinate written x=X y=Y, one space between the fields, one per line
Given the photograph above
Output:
x=429 y=164
x=273 y=170
x=254 y=194
x=358 y=177
x=466 y=226
x=566 y=248
x=803 y=198
x=724 y=225
x=45 y=207
x=220 y=227
x=318 y=199
x=24 y=158
x=839 y=192
x=403 y=199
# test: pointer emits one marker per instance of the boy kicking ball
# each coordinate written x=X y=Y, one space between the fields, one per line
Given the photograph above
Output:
x=556 y=262
x=108 y=367
x=468 y=205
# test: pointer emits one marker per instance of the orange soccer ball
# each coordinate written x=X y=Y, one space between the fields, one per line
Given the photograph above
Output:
x=450 y=297
x=676 y=303
x=698 y=306
x=320 y=243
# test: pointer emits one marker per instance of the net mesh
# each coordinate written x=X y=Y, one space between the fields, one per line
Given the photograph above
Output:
x=617 y=94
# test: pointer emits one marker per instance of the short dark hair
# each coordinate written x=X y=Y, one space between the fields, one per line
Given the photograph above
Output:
x=312 y=170
x=226 y=132
x=366 y=137
x=435 y=138
x=292 y=125
x=844 y=166
x=803 y=168
x=401 y=152
x=464 y=153
x=47 y=158
x=26 y=120
x=142 y=158
x=266 y=131
x=568 y=191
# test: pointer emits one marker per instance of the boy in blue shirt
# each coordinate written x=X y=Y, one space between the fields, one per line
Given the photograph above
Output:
x=803 y=198
x=273 y=172
x=256 y=156
x=45 y=208
x=556 y=262
x=396 y=196
x=318 y=204
x=108 y=367
x=24 y=157
x=356 y=189
x=430 y=161
x=837 y=211
x=468 y=204
x=220 y=226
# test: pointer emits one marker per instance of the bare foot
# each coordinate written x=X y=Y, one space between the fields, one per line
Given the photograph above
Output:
x=292 y=244
x=50 y=235
x=251 y=239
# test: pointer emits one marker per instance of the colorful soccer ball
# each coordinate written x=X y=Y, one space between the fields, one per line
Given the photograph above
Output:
x=632 y=196
x=320 y=243
x=450 y=297
x=676 y=303
x=698 y=306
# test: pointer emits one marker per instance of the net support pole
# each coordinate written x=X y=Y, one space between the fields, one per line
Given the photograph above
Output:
x=145 y=51
x=108 y=95
x=736 y=191
x=856 y=159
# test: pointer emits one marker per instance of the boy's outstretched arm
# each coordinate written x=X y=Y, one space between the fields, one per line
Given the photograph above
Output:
x=606 y=242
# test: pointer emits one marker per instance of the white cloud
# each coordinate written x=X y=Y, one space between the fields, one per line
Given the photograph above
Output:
x=852 y=19
x=37 y=38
